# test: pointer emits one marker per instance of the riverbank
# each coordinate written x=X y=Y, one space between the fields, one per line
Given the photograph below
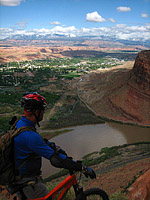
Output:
x=65 y=117
x=64 y=121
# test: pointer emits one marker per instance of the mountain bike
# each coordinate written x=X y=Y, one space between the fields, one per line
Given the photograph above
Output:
x=60 y=191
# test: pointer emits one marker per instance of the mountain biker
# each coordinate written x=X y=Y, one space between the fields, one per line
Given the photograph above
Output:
x=29 y=147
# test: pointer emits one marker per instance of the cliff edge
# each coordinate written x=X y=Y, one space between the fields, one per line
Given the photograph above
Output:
x=121 y=93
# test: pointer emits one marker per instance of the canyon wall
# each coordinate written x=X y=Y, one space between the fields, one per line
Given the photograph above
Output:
x=121 y=93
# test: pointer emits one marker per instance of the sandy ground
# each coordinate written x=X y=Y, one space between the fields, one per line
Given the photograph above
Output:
x=120 y=178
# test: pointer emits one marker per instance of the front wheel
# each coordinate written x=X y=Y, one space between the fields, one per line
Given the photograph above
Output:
x=93 y=194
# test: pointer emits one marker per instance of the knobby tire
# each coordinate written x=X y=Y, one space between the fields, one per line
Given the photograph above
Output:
x=89 y=194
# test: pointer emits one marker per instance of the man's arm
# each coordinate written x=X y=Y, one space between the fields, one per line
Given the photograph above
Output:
x=38 y=146
x=62 y=161
x=56 y=158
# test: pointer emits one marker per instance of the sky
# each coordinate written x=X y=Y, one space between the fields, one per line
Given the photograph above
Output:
x=120 y=19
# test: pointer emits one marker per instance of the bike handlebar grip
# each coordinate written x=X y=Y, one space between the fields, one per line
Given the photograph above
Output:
x=89 y=172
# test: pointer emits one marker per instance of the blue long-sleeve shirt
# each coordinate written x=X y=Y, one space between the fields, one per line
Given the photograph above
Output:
x=28 y=143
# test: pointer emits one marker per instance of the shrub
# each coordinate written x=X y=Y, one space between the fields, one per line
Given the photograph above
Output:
x=118 y=196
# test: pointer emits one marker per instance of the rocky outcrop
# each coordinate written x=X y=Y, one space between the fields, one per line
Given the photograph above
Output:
x=140 y=190
x=141 y=70
x=121 y=93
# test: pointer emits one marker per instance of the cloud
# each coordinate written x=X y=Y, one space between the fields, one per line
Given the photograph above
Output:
x=112 y=20
x=55 y=23
x=94 y=17
x=145 y=15
x=69 y=31
x=10 y=2
x=119 y=31
x=22 y=24
x=123 y=9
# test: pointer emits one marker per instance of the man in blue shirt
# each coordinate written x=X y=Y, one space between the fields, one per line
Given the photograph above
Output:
x=30 y=147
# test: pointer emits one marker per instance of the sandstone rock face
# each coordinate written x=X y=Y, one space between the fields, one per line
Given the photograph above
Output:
x=141 y=69
x=121 y=93
x=140 y=190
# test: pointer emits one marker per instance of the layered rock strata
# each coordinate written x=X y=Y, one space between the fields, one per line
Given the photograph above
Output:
x=120 y=93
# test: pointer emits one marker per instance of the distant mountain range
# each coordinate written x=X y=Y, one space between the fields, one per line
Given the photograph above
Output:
x=31 y=47
x=78 y=40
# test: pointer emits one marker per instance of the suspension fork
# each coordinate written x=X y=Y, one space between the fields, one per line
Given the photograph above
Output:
x=78 y=190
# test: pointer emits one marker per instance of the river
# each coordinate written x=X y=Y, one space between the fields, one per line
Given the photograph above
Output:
x=82 y=140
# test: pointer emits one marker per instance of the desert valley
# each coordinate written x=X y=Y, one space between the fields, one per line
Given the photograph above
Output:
x=99 y=83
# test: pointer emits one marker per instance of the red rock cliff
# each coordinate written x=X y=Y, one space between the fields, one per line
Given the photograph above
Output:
x=141 y=70
x=120 y=93
x=140 y=190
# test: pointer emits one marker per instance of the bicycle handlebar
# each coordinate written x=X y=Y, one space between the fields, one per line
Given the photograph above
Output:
x=88 y=172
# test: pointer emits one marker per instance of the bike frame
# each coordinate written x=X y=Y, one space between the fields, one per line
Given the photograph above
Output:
x=63 y=188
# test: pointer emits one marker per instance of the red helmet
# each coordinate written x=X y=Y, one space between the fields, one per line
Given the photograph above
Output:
x=33 y=101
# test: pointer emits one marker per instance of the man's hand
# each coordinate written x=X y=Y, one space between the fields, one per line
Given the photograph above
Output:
x=89 y=172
